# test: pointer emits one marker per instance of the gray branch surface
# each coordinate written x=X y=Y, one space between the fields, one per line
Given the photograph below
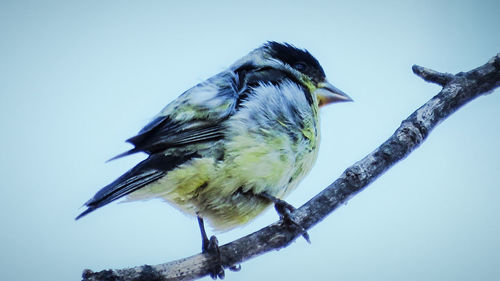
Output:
x=457 y=90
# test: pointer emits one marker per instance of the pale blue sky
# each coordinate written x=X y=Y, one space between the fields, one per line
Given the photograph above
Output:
x=77 y=78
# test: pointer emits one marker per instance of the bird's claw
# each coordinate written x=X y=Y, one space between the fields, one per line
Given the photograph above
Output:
x=284 y=211
x=211 y=247
x=235 y=268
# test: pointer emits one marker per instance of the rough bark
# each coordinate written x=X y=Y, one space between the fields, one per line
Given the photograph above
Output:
x=457 y=90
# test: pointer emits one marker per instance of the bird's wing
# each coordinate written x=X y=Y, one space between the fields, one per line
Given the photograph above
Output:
x=144 y=173
x=195 y=116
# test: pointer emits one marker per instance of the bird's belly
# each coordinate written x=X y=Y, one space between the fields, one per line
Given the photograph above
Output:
x=225 y=192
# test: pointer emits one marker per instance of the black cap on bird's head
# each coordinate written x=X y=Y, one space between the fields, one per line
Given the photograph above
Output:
x=302 y=61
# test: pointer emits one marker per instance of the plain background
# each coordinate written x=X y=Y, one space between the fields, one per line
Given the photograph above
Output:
x=77 y=78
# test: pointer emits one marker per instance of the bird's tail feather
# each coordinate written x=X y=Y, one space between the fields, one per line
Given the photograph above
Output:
x=126 y=153
x=144 y=173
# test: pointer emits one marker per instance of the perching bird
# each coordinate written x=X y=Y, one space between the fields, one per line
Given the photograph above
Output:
x=234 y=144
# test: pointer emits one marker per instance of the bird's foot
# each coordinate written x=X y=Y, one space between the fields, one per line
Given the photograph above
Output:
x=211 y=247
x=284 y=211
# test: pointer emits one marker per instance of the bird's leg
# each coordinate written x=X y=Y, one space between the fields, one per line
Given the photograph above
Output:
x=211 y=246
x=284 y=211
x=204 y=238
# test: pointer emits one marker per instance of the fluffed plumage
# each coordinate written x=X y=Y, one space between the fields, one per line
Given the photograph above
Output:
x=249 y=130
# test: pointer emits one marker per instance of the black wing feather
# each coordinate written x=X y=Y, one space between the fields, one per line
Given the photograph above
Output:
x=146 y=172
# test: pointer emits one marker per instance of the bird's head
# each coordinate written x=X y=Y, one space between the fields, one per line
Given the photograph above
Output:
x=299 y=64
x=307 y=69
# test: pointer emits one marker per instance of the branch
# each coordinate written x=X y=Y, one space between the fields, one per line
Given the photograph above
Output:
x=457 y=90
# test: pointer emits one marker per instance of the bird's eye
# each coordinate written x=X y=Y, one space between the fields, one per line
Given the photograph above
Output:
x=300 y=66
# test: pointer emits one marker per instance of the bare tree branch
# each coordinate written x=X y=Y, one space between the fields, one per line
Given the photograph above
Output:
x=457 y=90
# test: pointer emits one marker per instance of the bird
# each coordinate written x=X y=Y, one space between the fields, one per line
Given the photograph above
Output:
x=233 y=145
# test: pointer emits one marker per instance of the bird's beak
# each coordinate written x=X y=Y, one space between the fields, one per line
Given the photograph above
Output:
x=327 y=93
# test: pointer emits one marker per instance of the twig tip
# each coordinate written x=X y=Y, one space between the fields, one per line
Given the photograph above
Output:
x=432 y=76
